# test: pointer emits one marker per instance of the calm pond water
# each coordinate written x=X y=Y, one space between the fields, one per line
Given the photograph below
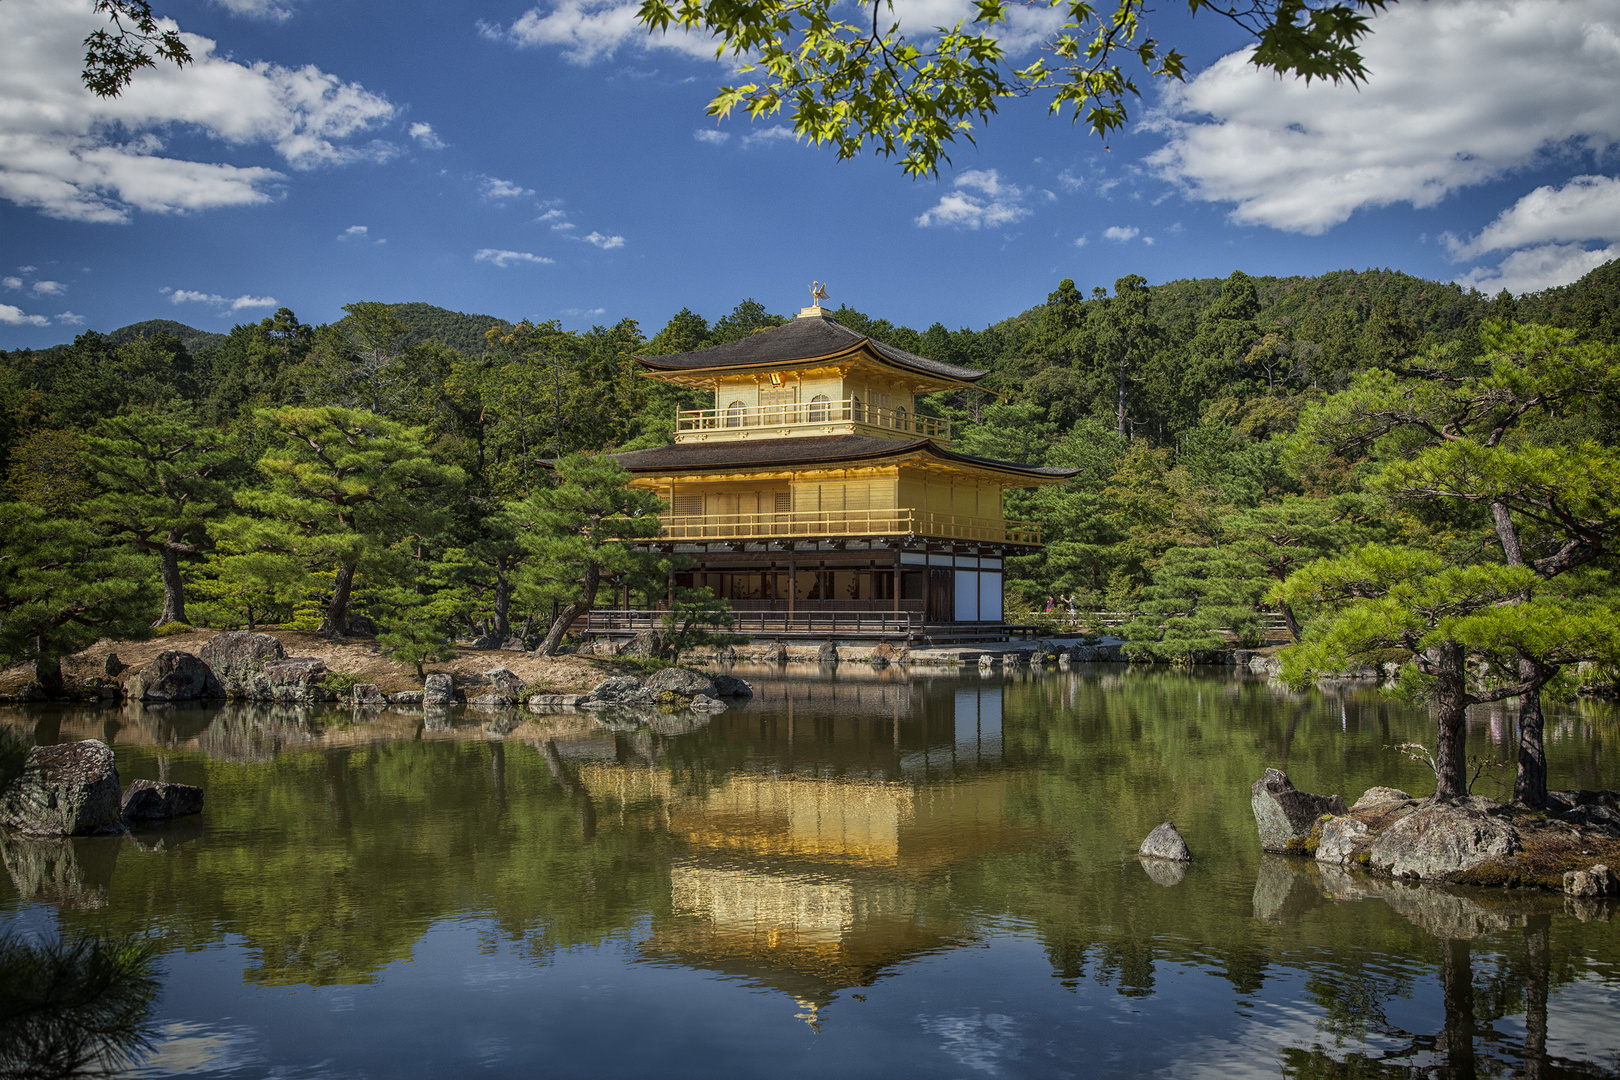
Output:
x=867 y=874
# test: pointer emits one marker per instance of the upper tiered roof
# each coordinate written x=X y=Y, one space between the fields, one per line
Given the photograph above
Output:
x=806 y=340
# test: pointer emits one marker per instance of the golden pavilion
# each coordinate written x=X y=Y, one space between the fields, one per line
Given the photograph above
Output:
x=816 y=499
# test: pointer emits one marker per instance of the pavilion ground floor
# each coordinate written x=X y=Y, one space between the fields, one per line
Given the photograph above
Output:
x=911 y=588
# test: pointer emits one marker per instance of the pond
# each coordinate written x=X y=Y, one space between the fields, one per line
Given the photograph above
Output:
x=862 y=874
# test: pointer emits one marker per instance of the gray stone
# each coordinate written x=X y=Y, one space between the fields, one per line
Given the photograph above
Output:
x=1380 y=796
x=369 y=694
x=505 y=682
x=601 y=647
x=152 y=800
x=682 y=682
x=238 y=658
x=1283 y=813
x=885 y=654
x=115 y=667
x=774 y=654
x=725 y=654
x=70 y=789
x=406 y=697
x=492 y=701
x=1343 y=840
x=1596 y=880
x=1165 y=843
x=647 y=645
x=704 y=703
x=438 y=689
x=828 y=653
x=1594 y=817
x=514 y=644
x=619 y=692
x=730 y=686
x=555 y=702
x=175 y=676
x=297 y=680
x=1443 y=838
x=987 y=661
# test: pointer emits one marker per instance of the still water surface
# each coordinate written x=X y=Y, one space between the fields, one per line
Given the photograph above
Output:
x=867 y=874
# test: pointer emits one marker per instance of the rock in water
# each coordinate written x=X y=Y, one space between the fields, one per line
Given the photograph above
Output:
x=174 y=676
x=150 y=800
x=619 y=691
x=506 y=682
x=369 y=694
x=885 y=654
x=731 y=686
x=1444 y=838
x=682 y=682
x=1596 y=880
x=1165 y=843
x=704 y=703
x=437 y=690
x=775 y=653
x=1380 y=796
x=1284 y=813
x=66 y=790
x=1343 y=840
x=298 y=679
x=238 y=658
x=828 y=653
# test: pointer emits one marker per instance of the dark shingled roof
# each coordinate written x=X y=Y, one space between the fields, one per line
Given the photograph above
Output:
x=806 y=450
x=804 y=338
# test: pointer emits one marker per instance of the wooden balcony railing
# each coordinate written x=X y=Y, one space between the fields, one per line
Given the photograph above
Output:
x=811 y=414
x=836 y=523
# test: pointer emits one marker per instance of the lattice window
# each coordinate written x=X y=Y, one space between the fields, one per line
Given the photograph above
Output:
x=687 y=505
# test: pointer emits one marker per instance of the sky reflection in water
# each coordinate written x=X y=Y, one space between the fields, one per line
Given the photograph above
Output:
x=872 y=875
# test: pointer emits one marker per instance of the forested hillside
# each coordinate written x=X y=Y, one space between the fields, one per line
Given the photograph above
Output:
x=1228 y=434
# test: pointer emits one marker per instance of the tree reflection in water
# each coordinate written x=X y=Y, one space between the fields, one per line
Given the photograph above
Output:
x=76 y=1006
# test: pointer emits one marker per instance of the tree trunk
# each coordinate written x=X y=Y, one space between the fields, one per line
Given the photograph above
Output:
x=565 y=618
x=48 y=673
x=1287 y=612
x=1451 y=751
x=336 y=622
x=174 y=589
x=503 y=606
x=1530 y=785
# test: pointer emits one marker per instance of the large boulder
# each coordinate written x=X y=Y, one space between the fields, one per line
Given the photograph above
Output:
x=619 y=692
x=731 y=686
x=828 y=653
x=1381 y=798
x=774 y=653
x=1165 y=842
x=299 y=680
x=1596 y=880
x=152 y=800
x=1343 y=840
x=369 y=695
x=681 y=683
x=703 y=703
x=1283 y=813
x=647 y=645
x=174 y=676
x=885 y=654
x=505 y=689
x=1443 y=838
x=238 y=658
x=70 y=789
x=438 y=690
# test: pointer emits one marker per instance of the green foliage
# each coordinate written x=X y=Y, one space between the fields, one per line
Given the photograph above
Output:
x=696 y=617
x=170 y=629
x=48 y=471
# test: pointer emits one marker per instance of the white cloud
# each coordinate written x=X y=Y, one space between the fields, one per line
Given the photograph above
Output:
x=1121 y=234
x=1585 y=208
x=556 y=217
x=73 y=155
x=426 y=136
x=996 y=202
x=712 y=136
x=1539 y=268
x=1461 y=92
x=606 y=243
x=14 y=316
x=12 y=282
x=1080 y=242
x=774 y=133
x=47 y=288
x=354 y=232
x=592 y=30
x=495 y=188
x=504 y=259
x=71 y=319
x=238 y=303
x=256 y=9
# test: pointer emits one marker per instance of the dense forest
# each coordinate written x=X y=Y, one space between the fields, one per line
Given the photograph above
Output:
x=1309 y=448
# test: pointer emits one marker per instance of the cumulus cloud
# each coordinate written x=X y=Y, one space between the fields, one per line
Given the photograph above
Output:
x=224 y=303
x=12 y=282
x=1539 y=268
x=504 y=259
x=1461 y=92
x=981 y=200
x=774 y=133
x=354 y=232
x=71 y=319
x=15 y=316
x=425 y=136
x=496 y=189
x=1585 y=208
x=47 y=288
x=73 y=155
x=256 y=9
x=606 y=243
x=712 y=136
x=591 y=30
x=1080 y=242
x=1121 y=234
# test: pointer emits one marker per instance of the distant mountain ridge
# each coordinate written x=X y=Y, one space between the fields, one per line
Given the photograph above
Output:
x=193 y=339
x=427 y=322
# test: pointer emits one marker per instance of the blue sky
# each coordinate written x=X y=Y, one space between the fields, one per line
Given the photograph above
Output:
x=553 y=161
